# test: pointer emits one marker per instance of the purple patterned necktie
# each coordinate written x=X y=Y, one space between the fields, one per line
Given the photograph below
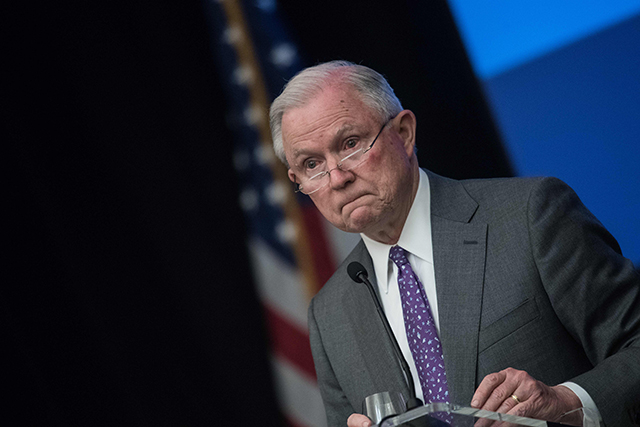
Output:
x=421 y=331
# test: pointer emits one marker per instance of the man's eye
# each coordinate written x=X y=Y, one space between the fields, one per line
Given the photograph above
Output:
x=310 y=164
x=352 y=143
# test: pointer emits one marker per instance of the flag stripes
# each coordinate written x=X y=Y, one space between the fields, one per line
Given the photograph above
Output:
x=291 y=254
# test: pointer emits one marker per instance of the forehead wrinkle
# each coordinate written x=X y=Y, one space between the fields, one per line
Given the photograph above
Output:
x=315 y=126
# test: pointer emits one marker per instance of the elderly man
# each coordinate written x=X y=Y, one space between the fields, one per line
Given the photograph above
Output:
x=504 y=294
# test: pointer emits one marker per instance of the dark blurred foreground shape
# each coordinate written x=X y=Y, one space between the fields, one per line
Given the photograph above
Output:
x=128 y=299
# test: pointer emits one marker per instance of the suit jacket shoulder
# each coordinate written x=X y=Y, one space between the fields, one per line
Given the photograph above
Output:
x=351 y=352
x=526 y=277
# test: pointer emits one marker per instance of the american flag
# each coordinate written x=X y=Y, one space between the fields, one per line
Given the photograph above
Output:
x=293 y=249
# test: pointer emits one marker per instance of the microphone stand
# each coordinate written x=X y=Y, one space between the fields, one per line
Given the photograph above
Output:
x=358 y=274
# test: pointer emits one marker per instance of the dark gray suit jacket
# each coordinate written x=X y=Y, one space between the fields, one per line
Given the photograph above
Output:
x=526 y=278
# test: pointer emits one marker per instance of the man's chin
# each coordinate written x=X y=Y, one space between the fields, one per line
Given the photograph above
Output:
x=359 y=219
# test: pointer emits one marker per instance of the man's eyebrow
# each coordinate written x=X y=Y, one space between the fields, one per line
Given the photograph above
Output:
x=301 y=152
x=338 y=135
x=347 y=127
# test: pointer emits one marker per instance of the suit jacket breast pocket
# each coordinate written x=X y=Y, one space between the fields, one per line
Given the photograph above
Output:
x=508 y=324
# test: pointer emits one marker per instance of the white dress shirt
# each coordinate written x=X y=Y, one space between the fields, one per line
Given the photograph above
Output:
x=416 y=240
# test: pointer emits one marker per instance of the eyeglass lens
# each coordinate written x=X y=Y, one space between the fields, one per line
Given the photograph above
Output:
x=349 y=162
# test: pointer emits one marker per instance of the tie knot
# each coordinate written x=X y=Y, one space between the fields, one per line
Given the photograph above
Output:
x=398 y=256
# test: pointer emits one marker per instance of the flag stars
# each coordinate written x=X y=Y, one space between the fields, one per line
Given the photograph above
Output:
x=232 y=35
x=252 y=115
x=264 y=155
x=276 y=193
x=283 y=55
x=286 y=231
x=249 y=199
x=243 y=76
x=267 y=6
x=261 y=201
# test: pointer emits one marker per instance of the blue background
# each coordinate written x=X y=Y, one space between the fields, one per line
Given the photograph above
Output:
x=562 y=82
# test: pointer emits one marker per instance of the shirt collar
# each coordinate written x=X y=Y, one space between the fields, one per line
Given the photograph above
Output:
x=415 y=236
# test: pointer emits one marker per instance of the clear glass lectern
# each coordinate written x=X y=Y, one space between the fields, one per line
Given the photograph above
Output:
x=448 y=415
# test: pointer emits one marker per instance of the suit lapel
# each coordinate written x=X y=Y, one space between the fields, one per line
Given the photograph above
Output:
x=459 y=247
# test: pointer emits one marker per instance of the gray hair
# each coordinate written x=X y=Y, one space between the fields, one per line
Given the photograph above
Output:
x=373 y=88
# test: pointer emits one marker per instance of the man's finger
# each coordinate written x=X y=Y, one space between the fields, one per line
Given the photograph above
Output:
x=501 y=395
x=511 y=401
x=486 y=387
x=358 y=420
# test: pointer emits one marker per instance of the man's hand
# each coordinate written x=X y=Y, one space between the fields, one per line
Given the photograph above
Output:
x=358 y=420
x=515 y=392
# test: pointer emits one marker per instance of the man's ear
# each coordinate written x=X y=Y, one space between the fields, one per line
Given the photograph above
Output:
x=405 y=124
x=292 y=176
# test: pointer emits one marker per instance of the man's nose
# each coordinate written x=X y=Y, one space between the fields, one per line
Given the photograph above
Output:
x=339 y=177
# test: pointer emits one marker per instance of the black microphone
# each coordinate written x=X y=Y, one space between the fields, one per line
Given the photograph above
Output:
x=358 y=274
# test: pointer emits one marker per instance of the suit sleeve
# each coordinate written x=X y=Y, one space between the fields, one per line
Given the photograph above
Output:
x=595 y=292
x=336 y=404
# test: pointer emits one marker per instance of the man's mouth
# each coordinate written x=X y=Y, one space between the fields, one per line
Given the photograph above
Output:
x=352 y=200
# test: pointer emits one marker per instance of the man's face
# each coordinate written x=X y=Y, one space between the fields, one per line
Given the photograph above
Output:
x=375 y=195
